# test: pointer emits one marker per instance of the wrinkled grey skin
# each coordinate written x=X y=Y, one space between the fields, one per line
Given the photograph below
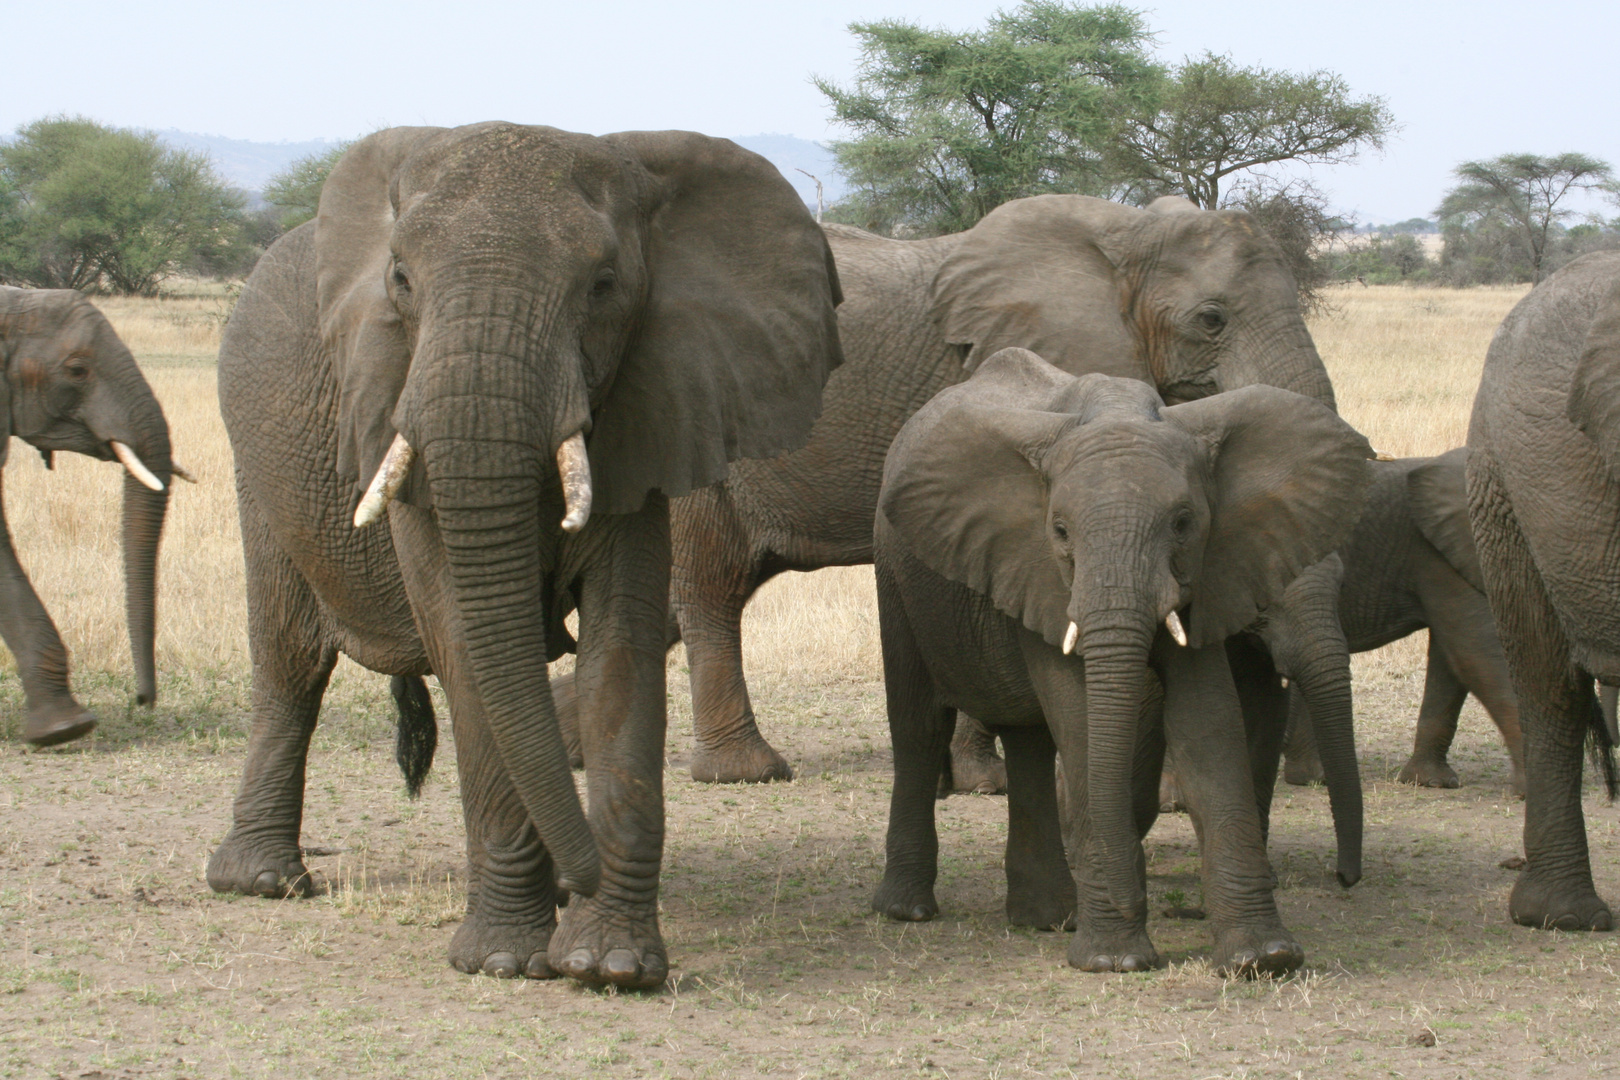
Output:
x=1025 y=501
x=1190 y=301
x=71 y=384
x=486 y=292
x=1544 y=500
x=1411 y=564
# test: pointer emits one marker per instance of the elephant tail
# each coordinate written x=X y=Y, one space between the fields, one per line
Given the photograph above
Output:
x=418 y=733
x=1600 y=748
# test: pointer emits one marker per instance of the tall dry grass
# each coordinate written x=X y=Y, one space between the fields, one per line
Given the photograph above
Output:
x=1405 y=363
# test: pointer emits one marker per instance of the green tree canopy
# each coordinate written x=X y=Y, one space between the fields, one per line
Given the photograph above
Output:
x=947 y=125
x=1512 y=204
x=296 y=190
x=86 y=206
x=1214 y=119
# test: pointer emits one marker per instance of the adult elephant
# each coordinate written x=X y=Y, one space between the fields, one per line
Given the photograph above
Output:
x=527 y=341
x=1544 y=501
x=1187 y=300
x=1028 y=515
x=71 y=384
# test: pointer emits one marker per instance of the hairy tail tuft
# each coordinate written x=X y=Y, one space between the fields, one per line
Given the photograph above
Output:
x=418 y=733
x=1600 y=748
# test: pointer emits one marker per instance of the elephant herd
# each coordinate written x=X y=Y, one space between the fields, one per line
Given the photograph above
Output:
x=511 y=374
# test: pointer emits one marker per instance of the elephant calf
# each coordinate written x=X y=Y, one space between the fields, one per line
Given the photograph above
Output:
x=1043 y=542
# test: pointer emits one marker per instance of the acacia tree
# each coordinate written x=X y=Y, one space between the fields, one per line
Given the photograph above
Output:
x=947 y=126
x=85 y=206
x=1515 y=200
x=1214 y=119
x=296 y=190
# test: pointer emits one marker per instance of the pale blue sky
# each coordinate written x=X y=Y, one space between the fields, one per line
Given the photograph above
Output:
x=1465 y=80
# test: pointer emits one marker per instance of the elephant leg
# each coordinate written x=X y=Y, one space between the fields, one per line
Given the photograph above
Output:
x=1474 y=651
x=1040 y=889
x=612 y=937
x=1208 y=749
x=1302 y=762
x=709 y=591
x=53 y=714
x=1264 y=702
x=920 y=730
x=1556 y=705
x=1443 y=697
x=974 y=764
x=292 y=662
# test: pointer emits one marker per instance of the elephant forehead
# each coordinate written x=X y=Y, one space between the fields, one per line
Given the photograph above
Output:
x=1117 y=446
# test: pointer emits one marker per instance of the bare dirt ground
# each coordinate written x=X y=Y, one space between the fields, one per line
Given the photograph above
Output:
x=117 y=961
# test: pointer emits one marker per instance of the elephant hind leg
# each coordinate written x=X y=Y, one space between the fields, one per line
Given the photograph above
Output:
x=1443 y=697
x=973 y=764
x=1040 y=888
x=417 y=735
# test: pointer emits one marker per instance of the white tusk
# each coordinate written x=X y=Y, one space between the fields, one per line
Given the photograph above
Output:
x=1173 y=622
x=137 y=469
x=1071 y=636
x=180 y=473
x=396 y=465
x=1285 y=682
x=575 y=467
x=1379 y=455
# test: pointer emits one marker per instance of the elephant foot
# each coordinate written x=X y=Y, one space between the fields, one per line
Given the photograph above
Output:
x=1101 y=948
x=601 y=946
x=1428 y=772
x=1557 y=905
x=258 y=868
x=905 y=900
x=975 y=773
x=57 y=723
x=747 y=760
x=1248 y=952
x=483 y=946
x=1170 y=799
x=1303 y=770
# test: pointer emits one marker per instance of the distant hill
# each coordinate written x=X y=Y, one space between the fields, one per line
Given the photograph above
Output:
x=249 y=165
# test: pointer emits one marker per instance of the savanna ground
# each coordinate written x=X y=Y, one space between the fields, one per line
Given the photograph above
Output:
x=116 y=960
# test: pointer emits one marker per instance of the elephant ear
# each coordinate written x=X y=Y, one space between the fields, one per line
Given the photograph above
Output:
x=1290 y=479
x=1043 y=273
x=1437 y=492
x=358 y=325
x=13 y=303
x=1594 y=396
x=962 y=490
x=739 y=331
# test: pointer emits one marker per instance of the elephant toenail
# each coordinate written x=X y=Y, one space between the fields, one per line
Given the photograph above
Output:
x=921 y=914
x=620 y=966
x=1603 y=921
x=267 y=884
x=578 y=963
x=1133 y=963
x=654 y=970
x=502 y=965
x=538 y=967
x=464 y=967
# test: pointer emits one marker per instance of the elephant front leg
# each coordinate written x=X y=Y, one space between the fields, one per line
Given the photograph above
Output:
x=613 y=936
x=1040 y=889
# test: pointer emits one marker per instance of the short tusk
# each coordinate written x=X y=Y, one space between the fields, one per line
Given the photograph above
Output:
x=1173 y=622
x=136 y=467
x=575 y=467
x=1285 y=682
x=396 y=465
x=1379 y=455
x=1071 y=636
x=181 y=473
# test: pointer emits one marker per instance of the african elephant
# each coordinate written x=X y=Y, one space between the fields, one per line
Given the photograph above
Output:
x=1027 y=515
x=527 y=340
x=1411 y=564
x=1544 y=501
x=1187 y=300
x=70 y=384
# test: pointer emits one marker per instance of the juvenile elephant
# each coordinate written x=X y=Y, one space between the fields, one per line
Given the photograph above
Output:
x=527 y=341
x=1028 y=514
x=1544 y=501
x=70 y=384
x=1189 y=301
x=1411 y=564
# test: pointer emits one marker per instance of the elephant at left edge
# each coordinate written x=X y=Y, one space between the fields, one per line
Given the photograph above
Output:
x=527 y=341
x=1039 y=538
x=71 y=384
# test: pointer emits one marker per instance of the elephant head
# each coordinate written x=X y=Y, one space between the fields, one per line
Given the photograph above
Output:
x=1192 y=301
x=526 y=324
x=1094 y=515
x=71 y=384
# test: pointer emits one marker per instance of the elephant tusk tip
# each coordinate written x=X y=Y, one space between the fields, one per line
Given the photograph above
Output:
x=575 y=521
x=135 y=466
x=1172 y=623
x=1380 y=455
x=179 y=472
x=1070 y=636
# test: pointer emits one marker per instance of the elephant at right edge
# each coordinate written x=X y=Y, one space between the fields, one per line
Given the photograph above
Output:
x=1544 y=500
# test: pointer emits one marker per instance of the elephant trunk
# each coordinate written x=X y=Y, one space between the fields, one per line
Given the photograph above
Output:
x=1115 y=647
x=1274 y=348
x=1322 y=673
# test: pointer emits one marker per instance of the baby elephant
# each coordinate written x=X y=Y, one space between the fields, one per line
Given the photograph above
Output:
x=1411 y=564
x=1043 y=543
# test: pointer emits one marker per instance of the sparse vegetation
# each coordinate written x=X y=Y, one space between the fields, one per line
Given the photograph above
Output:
x=295 y=192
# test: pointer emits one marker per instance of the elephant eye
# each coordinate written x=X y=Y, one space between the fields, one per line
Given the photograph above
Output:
x=1060 y=530
x=1212 y=320
x=402 y=280
x=1182 y=524
x=604 y=282
x=77 y=369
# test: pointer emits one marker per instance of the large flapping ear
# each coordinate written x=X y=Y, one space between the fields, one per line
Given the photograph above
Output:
x=738 y=334
x=963 y=491
x=1594 y=396
x=359 y=327
x=1437 y=493
x=1289 y=482
x=1043 y=273
x=15 y=307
